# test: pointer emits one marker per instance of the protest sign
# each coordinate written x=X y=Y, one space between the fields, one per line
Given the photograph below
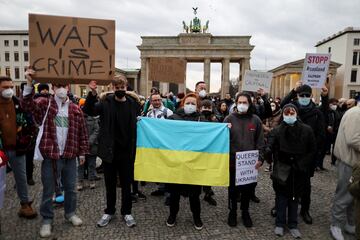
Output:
x=315 y=69
x=71 y=50
x=170 y=70
x=245 y=167
x=254 y=80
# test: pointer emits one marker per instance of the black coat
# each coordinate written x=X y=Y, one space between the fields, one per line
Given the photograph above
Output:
x=104 y=109
x=293 y=148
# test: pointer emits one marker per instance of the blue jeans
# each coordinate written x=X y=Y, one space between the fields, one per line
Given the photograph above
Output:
x=18 y=165
x=284 y=203
x=91 y=166
x=66 y=168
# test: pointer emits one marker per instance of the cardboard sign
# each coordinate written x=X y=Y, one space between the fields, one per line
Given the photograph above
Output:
x=315 y=69
x=254 y=80
x=171 y=70
x=71 y=50
x=245 y=167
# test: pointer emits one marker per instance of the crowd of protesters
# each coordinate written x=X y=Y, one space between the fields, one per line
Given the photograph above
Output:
x=293 y=136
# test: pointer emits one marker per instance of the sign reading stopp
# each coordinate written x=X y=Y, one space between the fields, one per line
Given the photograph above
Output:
x=71 y=50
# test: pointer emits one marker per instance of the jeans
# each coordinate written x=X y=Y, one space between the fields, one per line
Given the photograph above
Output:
x=18 y=165
x=282 y=203
x=111 y=171
x=342 y=210
x=66 y=168
x=91 y=164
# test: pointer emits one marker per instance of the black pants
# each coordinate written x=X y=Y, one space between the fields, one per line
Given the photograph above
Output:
x=193 y=194
x=246 y=193
x=284 y=203
x=120 y=165
x=306 y=196
x=29 y=163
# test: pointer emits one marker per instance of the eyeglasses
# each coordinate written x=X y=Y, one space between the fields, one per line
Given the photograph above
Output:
x=305 y=95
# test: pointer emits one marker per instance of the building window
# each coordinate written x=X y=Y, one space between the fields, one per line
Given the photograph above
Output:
x=6 y=43
x=26 y=56
x=355 y=58
x=16 y=56
x=17 y=73
x=26 y=43
x=356 y=41
x=7 y=71
x=329 y=50
x=352 y=93
x=7 y=57
x=16 y=43
x=353 y=75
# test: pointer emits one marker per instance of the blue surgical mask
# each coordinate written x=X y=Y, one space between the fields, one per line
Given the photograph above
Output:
x=304 y=101
x=289 y=119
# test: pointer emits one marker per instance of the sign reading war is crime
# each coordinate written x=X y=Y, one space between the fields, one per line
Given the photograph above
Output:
x=315 y=69
x=253 y=80
x=71 y=50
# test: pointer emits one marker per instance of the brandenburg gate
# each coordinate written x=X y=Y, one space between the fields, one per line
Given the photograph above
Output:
x=195 y=45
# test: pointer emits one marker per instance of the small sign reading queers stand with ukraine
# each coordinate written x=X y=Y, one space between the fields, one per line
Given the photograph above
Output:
x=245 y=167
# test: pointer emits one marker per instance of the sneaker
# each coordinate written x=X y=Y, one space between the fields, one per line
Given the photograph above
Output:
x=157 y=193
x=350 y=229
x=134 y=197
x=75 y=221
x=80 y=187
x=246 y=219
x=336 y=233
x=45 y=230
x=273 y=212
x=92 y=185
x=129 y=220
x=268 y=168
x=198 y=224
x=279 y=231
x=141 y=196
x=295 y=233
x=105 y=219
x=209 y=199
x=170 y=222
x=232 y=219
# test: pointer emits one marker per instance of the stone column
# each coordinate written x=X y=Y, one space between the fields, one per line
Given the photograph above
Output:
x=207 y=73
x=281 y=92
x=225 y=77
x=144 y=78
x=287 y=84
x=245 y=65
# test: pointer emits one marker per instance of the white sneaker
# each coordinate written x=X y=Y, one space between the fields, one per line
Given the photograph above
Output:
x=279 y=231
x=129 y=220
x=45 y=230
x=350 y=229
x=336 y=233
x=75 y=220
x=105 y=219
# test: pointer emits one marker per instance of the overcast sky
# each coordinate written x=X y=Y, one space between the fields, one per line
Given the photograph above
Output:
x=282 y=31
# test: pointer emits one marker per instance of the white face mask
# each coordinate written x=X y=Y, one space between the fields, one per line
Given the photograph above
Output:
x=61 y=93
x=202 y=93
x=189 y=108
x=7 y=93
x=273 y=108
x=242 y=108
x=333 y=107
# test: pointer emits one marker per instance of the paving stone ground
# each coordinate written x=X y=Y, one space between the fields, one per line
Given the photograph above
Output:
x=152 y=213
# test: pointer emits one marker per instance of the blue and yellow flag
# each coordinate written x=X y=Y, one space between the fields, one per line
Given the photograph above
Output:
x=186 y=152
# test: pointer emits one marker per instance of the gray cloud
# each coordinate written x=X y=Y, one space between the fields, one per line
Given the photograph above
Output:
x=281 y=31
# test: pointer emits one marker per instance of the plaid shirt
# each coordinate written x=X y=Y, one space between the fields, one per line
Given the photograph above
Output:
x=77 y=138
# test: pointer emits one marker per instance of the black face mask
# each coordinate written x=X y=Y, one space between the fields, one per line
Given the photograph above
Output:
x=120 y=93
x=206 y=113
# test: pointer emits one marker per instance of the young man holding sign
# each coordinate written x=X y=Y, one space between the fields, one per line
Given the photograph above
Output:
x=64 y=138
x=246 y=134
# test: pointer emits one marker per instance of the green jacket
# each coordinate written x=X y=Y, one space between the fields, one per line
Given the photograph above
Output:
x=354 y=186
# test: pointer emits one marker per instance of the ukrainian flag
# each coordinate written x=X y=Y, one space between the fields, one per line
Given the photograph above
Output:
x=185 y=152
